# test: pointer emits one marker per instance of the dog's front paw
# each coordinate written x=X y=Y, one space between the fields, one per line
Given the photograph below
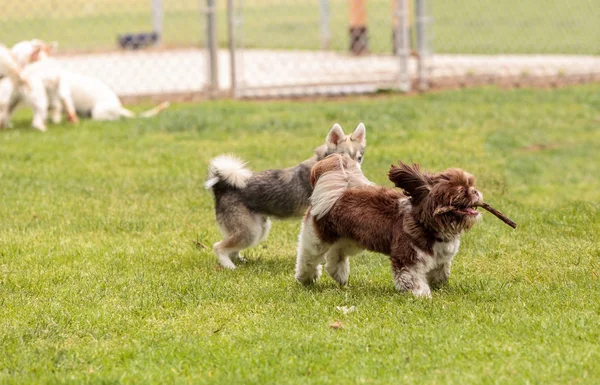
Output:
x=439 y=276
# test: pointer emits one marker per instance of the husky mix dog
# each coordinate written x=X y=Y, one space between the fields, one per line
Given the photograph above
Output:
x=244 y=200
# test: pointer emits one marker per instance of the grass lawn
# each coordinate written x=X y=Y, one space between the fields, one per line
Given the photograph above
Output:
x=102 y=279
x=473 y=26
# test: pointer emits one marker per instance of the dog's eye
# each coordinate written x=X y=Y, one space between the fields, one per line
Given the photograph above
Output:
x=359 y=159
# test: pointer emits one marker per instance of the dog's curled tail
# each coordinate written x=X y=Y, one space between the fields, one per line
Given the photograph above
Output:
x=331 y=177
x=228 y=169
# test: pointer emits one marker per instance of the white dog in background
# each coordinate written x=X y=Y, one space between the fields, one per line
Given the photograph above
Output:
x=41 y=88
x=17 y=86
x=89 y=96
x=30 y=51
x=55 y=88
x=93 y=98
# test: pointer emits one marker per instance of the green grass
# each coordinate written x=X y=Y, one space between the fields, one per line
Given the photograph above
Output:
x=101 y=280
x=482 y=26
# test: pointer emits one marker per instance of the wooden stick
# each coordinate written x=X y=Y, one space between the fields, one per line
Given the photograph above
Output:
x=498 y=214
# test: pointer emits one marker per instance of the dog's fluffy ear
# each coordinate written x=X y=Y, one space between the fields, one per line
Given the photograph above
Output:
x=35 y=54
x=415 y=183
x=360 y=134
x=332 y=162
x=335 y=136
x=50 y=47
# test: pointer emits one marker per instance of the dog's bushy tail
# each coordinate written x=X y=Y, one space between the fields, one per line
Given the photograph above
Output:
x=331 y=177
x=229 y=170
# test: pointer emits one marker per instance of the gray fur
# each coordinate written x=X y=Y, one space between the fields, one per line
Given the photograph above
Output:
x=242 y=212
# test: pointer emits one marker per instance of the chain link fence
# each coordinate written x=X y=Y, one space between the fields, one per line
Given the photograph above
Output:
x=137 y=47
x=273 y=48
x=514 y=42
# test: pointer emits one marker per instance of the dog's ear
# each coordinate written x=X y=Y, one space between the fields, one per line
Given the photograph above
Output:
x=335 y=136
x=415 y=183
x=35 y=54
x=360 y=134
x=50 y=47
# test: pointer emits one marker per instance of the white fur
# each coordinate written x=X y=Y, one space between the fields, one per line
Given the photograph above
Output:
x=28 y=51
x=430 y=268
x=360 y=134
x=92 y=97
x=42 y=87
x=83 y=94
x=310 y=253
x=338 y=260
x=44 y=90
x=331 y=186
x=230 y=170
x=259 y=228
x=8 y=65
x=34 y=95
x=335 y=136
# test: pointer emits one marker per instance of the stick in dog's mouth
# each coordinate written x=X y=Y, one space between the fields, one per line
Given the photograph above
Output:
x=498 y=214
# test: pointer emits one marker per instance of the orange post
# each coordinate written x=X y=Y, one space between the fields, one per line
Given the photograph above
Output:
x=358 y=27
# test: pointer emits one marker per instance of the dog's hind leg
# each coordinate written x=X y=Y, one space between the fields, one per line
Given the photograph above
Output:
x=338 y=264
x=265 y=228
x=107 y=111
x=240 y=229
x=230 y=247
x=311 y=251
x=9 y=98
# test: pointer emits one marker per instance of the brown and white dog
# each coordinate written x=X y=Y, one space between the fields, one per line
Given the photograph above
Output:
x=419 y=229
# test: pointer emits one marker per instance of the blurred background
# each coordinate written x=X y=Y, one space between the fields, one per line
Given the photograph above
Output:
x=183 y=49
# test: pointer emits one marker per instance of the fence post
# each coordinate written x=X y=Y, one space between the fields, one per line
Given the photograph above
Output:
x=403 y=45
x=422 y=46
x=359 y=42
x=232 y=48
x=325 y=29
x=211 y=43
x=157 y=19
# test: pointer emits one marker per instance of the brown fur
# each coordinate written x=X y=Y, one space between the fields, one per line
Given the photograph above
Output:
x=401 y=224
x=333 y=162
